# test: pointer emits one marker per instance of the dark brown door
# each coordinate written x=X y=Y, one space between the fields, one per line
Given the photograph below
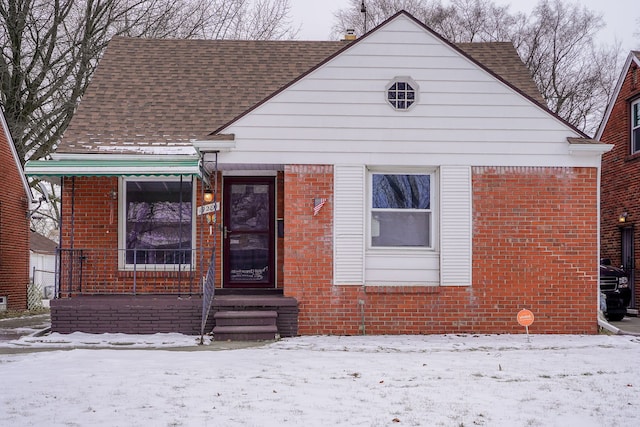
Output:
x=628 y=260
x=249 y=232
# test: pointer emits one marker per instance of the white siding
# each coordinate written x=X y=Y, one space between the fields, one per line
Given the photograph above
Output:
x=402 y=267
x=338 y=113
x=455 y=225
x=349 y=213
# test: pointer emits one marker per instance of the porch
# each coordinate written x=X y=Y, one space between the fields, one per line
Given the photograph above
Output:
x=150 y=314
x=95 y=295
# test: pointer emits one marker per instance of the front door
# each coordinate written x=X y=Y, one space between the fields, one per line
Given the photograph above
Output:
x=248 y=232
x=628 y=262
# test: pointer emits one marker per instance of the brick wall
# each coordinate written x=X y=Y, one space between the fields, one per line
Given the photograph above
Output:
x=620 y=178
x=132 y=315
x=90 y=221
x=14 y=231
x=535 y=246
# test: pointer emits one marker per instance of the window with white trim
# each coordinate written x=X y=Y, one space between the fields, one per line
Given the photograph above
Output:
x=401 y=210
x=157 y=225
x=402 y=93
x=635 y=126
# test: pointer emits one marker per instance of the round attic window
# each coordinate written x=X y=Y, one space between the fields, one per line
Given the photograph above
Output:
x=402 y=93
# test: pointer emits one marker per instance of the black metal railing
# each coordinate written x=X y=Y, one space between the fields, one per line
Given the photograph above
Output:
x=129 y=272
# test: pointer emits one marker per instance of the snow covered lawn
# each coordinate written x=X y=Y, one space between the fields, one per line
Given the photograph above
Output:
x=466 y=380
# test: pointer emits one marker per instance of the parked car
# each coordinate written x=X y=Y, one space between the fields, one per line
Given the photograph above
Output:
x=615 y=294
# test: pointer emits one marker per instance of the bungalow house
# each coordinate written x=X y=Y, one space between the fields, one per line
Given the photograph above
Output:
x=395 y=184
x=620 y=204
x=14 y=225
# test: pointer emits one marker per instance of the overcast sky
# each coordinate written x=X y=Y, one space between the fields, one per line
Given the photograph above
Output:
x=316 y=17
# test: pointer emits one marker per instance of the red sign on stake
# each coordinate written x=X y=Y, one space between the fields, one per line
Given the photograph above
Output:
x=525 y=317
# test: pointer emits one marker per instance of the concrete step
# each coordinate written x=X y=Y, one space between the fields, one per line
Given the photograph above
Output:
x=245 y=333
x=241 y=318
x=245 y=325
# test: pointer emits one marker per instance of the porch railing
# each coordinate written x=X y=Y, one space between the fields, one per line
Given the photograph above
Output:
x=129 y=272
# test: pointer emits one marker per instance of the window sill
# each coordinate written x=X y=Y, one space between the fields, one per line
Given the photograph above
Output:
x=632 y=157
x=150 y=270
x=401 y=289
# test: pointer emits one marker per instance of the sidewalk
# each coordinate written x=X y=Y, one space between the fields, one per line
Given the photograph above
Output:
x=12 y=328
x=28 y=333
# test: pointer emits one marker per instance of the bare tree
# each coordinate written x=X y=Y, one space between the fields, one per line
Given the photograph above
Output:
x=458 y=21
x=50 y=48
x=573 y=74
x=556 y=42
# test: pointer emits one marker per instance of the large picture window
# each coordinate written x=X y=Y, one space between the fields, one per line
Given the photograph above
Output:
x=158 y=226
x=401 y=212
x=635 y=126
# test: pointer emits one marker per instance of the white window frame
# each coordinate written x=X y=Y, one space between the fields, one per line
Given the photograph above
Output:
x=433 y=210
x=634 y=115
x=414 y=86
x=122 y=224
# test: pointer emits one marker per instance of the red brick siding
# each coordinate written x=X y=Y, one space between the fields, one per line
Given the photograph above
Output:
x=534 y=246
x=90 y=221
x=14 y=231
x=620 y=178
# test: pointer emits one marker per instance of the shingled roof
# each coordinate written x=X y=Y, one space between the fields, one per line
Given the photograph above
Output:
x=168 y=92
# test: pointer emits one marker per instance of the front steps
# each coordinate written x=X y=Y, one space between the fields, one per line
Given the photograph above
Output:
x=285 y=307
x=257 y=325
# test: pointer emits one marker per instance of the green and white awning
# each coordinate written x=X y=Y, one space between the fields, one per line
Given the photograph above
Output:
x=82 y=166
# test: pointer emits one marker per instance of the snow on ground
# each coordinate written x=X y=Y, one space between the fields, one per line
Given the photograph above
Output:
x=436 y=380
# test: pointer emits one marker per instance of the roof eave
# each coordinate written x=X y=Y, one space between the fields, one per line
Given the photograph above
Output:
x=215 y=143
x=587 y=147
x=631 y=58
x=14 y=153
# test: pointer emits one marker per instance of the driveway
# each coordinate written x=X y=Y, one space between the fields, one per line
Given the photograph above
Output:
x=13 y=328
x=628 y=325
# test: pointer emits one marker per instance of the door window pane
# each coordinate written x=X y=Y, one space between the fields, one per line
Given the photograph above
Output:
x=249 y=257
x=250 y=206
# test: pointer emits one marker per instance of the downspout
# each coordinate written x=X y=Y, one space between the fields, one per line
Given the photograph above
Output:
x=73 y=210
x=180 y=253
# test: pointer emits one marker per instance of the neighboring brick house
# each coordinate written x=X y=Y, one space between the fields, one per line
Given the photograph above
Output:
x=620 y=194
x=394 y=184
x=14 y=225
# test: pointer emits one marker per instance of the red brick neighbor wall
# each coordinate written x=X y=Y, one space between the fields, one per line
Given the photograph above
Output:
x=14 y=231
x=534 y=246
x=620 y=179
